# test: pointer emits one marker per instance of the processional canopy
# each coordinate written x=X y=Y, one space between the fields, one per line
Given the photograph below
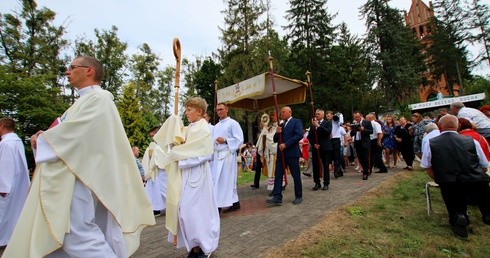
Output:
x=257 y=94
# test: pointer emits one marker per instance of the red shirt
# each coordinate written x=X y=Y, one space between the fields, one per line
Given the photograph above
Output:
x=480 y=139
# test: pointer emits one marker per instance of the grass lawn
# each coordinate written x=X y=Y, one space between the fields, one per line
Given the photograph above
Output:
x=392 y=221
x=247 y=178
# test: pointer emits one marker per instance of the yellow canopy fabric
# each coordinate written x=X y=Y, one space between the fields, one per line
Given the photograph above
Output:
x=256 y=93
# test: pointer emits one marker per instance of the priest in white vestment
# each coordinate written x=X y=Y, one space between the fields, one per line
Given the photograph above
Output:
x=86 y=197
x=14 y=179
x=267 y=149
x=228 y=137
x=198 y=219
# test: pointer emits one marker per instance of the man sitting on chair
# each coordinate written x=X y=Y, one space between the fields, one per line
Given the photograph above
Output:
x=458 y=165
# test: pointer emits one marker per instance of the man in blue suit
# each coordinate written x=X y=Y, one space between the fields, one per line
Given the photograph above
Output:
x=291 y=131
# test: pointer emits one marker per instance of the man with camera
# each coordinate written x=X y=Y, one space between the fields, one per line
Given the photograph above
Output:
x=337 y=133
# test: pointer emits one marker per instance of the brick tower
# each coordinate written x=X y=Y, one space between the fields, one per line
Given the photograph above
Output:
x=418 y=19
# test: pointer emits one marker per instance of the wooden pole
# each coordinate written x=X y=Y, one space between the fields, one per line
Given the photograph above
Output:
x=276 y=107
x=215 y=100
x=176 y=47
x=312 y=104
x=177 y=54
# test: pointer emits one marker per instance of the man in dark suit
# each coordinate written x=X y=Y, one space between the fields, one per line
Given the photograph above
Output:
x=457 y=163
x=290 y=132
x=361 y=130
x=324 y=130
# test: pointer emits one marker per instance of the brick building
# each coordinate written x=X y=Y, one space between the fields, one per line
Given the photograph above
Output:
x=418 y=19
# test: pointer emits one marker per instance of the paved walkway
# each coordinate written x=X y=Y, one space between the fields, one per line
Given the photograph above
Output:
x=256 y=227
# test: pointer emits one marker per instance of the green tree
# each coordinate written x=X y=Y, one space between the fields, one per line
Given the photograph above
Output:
x=478 y=84
x=310 y=35
x=189 y=70
x=163 y=97
x=244 y=26
x=143 y=67
x=31 y=67
x=396 y=53
x=110 y=51
x=479 y=15
x=446 y=44
x=204 y=80
x=31 y=44
x=349 y=70
x=131 y=113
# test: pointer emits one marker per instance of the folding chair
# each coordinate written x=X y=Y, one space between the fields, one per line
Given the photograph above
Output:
x=428 y=185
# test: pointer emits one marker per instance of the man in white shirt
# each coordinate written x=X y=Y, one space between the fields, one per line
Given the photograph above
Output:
x=337 y=133
x=476 y=117
x=376 y=157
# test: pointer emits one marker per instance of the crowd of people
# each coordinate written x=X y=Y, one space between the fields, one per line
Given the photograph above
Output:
x=91 y=195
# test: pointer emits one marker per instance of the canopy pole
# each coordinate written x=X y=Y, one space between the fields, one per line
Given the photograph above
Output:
x=215 y=100
x=312 y=105
x=271 y=73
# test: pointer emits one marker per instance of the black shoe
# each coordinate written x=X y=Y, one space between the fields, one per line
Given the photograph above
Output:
x=316 y=187
x=229 y=210
x=283 y=187
x=254 y=186
x=364 y=177
x=274 y=201
x=192 y=254
x=335 y=174
x=298 y=200
x=157 y=213
x=201 y=254
x=459 y=228
x=234 y=207
x=380 y=171
x=307 y=174
x=271 y=194
x=325 y=187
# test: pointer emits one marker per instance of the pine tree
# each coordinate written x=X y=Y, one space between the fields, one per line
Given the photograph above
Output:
x=479 y=15
x=131 y=113
x=446 y=44
x=396 y=53
x=349 y=70
x=31 y=67
x=244 y=26
x=204 y=80
x=310 y=32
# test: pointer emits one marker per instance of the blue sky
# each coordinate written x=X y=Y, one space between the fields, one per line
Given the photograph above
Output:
x=194 y=22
